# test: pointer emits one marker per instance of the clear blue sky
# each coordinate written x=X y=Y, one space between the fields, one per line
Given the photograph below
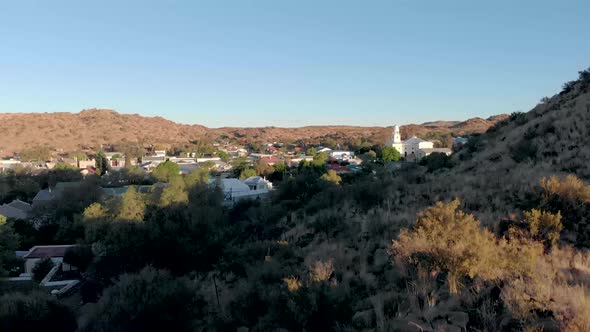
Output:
x=290 y=63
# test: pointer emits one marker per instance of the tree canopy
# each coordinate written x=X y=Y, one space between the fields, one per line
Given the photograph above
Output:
x=389 y=153
x=166 y=171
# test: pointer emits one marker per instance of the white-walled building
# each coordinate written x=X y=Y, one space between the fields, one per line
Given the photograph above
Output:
x=55 y=253
x=341 y=155
x=410 y=148
x=235 y=190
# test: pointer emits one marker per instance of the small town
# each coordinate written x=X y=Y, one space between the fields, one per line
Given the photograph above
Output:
x=240 y=172
x=250 y=166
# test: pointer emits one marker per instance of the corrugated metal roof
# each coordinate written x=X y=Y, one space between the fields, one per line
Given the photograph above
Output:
x=48 y=251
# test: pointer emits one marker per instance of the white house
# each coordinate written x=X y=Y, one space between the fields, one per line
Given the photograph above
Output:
x=235 y=190
x=8 y=164
x=55 y=253
x=342 y=155
x=296 y=161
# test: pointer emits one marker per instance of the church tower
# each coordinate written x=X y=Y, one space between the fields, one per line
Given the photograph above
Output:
x=396 y=135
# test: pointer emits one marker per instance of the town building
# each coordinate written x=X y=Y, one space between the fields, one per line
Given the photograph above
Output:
x=16 y=209
x=56 y=253
x=235 y=190
x=414 y=148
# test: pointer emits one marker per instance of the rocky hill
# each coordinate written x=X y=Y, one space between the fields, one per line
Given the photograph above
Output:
x=94 y=127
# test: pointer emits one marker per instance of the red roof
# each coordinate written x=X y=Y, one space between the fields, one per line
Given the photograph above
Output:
x=338 y=168
x=270 y=160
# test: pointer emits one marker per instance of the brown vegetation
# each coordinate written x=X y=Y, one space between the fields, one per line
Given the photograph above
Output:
x=95 y=127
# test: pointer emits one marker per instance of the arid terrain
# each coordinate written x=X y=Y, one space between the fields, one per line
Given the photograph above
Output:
x=91 y=128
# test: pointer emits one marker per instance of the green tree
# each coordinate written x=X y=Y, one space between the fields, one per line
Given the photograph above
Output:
x=281 y=167
x=41 y=153
x=8 y=245
x=239 y=164
x=102 y=163
x=36 y=311
x=199 y=175
x=95 y=212
x=65 y=167
x=389 y=153
x=79 y=156
x=174 y=194
x=332 y=177
x=166 y=171
x=223 y=155
x=132 y=206
x=262 y=168
x=151 y=300
x=246 y=173
x=436 y=161
x=41 y=269
x=370 y=155
x=79 y=257
x=311 y=152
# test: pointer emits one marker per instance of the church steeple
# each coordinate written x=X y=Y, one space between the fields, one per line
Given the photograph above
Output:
x=396 y=135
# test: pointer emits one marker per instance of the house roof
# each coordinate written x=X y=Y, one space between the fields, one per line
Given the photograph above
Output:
x=12 y=213
x=60 y=187
x=414 y=140
x=231 y=185
x=120 y=191
x=43 y=195
x=339 y=168
x=270 y=159
x=187 y=168
x=48 y=251
x=18 y=204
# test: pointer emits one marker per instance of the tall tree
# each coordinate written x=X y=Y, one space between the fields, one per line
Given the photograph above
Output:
x=389 y=153
x=8 y=244
x=166 y=171
x=132 y=206
x=102 y=163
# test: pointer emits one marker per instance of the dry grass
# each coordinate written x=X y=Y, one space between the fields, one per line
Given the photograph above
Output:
x=321 y=270
x=293 y=283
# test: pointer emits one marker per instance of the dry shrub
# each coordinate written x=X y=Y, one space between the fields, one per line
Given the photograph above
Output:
x=293 y=284
x=570 y=188
x=447 y=240
x=559 y=286
x=321 y=270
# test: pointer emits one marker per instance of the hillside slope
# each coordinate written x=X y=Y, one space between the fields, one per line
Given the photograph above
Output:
x=499 y=172
x=92 y=128
x=67 y=131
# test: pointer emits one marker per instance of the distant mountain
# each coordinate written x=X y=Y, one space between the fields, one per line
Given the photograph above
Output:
x=95 y=127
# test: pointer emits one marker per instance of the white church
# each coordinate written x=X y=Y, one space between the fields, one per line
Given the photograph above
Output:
x=414 y=148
